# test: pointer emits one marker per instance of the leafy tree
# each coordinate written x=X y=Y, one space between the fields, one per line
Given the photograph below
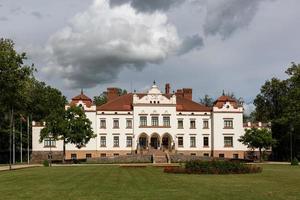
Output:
x=44 y=100
x=258 y=138
x=13 y=76
x=73 y=127
x=279 y=103
x=23 y=94
x=102 y=98
x=207 y=101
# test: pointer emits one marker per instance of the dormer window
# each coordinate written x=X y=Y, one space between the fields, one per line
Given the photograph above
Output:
x=150 y=101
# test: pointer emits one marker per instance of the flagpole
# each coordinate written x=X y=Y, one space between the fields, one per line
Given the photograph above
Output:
x=14 y=143
x=21 y=145
x=28 y=139
x=10 y=134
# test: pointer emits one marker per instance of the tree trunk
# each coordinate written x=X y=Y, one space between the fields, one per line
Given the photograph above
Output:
x=260 y=155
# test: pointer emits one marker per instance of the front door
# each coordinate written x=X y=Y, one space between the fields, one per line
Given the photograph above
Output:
x=165 y=142
x=154 y=142
x=143 y=142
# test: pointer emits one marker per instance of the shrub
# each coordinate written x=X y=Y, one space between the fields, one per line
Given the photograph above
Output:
x=46 y=163
x=214 y=167
x=295 y=161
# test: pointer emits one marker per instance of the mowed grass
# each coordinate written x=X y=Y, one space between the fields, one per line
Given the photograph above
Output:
x=113 y=182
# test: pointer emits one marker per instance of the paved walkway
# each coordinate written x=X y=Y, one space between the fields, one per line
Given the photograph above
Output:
x=19 y=166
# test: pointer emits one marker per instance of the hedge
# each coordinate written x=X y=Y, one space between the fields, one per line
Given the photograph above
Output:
x=214 y=167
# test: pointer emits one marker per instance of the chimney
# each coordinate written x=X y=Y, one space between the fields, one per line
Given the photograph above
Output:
x=167 y=88
x=112 y=93
x=179 y=93
x=188 y=93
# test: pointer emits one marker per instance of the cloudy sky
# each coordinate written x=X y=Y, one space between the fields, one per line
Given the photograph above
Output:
x=209 y=45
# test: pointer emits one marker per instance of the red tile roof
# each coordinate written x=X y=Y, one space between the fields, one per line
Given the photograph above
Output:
x=82 y=97
x=124 y=103
x=183 y=104
x=121 y=103
x=223 y=99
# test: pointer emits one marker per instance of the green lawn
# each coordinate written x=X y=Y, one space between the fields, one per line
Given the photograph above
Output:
x=112 y=182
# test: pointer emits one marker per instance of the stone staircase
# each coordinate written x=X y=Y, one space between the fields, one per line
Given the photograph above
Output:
x=160 y=157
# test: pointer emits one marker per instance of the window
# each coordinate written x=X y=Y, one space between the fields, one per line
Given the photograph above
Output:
x=143 y=121
x=73 y=156
x=48 y=142
x=180 y=123
x=206 y=154
x=128 y=141
x=102 y=123
x=193 y=141
x=116 y=154
x=221 y=155
x=88 y=155
x=205 y=141
x=103 y=155
x=166 y=121
x=116 y=141
x=236 y=156
x=228 y=123
x=180 y=141
x=128 y=123
x=205 y=124
x=192 y=124
x=193 y=154
x=116 y=123
x=154 y=121
x=103 y=141
x=228 y=141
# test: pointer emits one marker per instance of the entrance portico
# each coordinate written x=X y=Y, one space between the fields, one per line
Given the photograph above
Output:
x=155 y=141
x=143 y=141
x=167 y=142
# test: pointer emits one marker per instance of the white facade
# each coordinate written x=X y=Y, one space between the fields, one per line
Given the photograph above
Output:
x=158 y=121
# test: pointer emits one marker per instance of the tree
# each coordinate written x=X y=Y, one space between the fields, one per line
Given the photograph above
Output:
x=102 y=98
x=279 y=102
x=13 y=76
x=258 y=138
x=73 y=127
x=207 y=101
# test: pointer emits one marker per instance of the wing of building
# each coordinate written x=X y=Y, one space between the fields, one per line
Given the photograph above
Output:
x=141 y=122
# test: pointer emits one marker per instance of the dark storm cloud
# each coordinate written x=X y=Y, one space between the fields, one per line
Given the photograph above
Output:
x=224 y=17
x=190 y=43
x=148 y=5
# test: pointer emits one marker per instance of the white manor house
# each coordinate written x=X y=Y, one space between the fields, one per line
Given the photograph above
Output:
x=138 y=123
